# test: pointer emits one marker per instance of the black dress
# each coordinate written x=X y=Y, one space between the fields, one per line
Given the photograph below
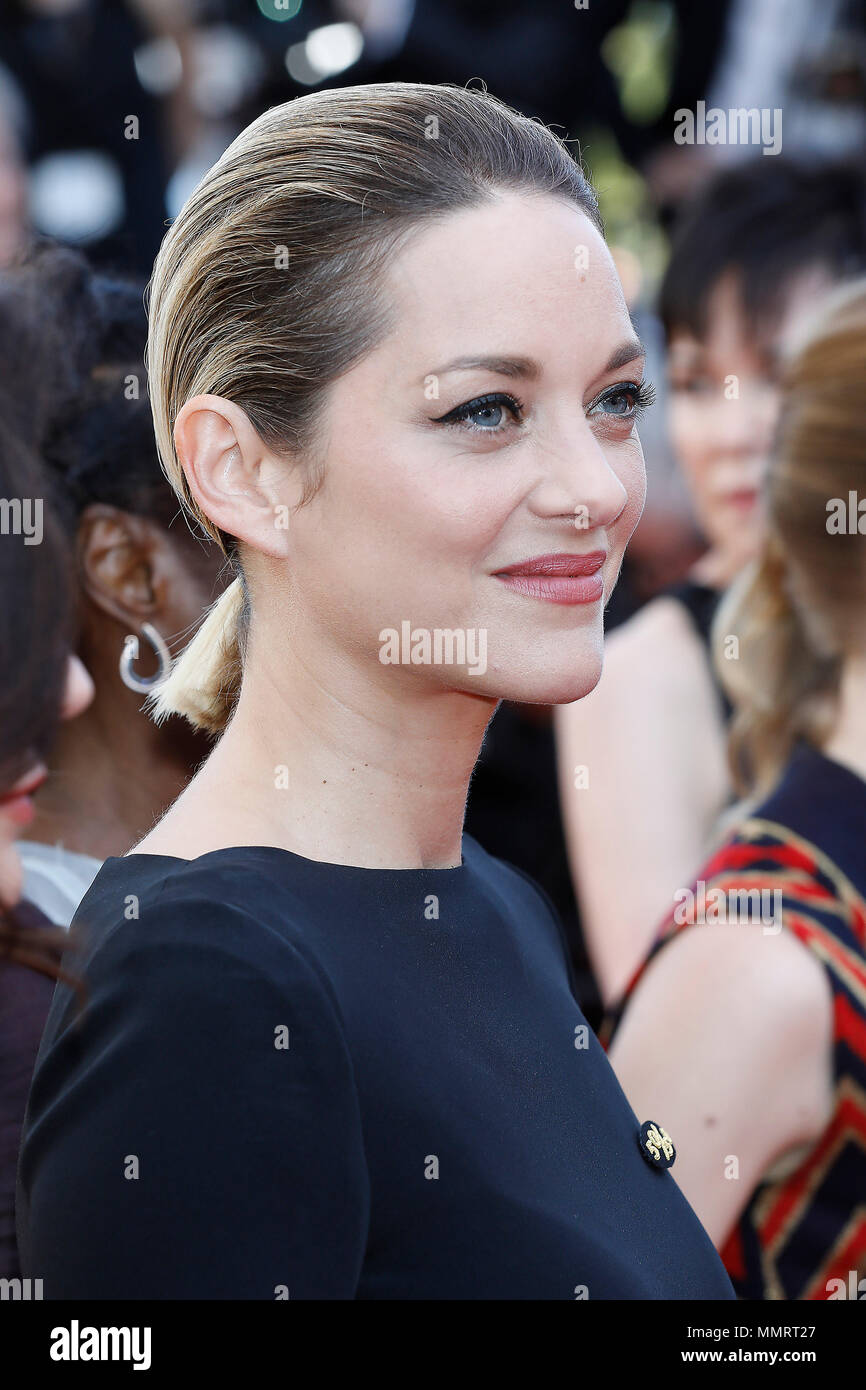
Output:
x=513 y=810
x=306 y=1080
x=701 y=602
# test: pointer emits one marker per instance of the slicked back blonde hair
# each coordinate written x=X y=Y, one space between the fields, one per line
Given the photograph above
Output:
x=268 y=285
x=800 y=609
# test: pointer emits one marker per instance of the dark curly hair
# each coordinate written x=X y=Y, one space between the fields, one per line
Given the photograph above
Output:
x=35 y=640
x=78 y=394
x=75 y=427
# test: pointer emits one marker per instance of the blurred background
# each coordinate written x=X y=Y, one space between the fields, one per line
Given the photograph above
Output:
x=112 y=110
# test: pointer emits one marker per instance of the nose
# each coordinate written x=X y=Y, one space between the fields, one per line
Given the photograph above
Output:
x=78 y=690
x=577 y=481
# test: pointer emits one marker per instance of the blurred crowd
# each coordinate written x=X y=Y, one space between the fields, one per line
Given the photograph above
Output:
x=110 y=112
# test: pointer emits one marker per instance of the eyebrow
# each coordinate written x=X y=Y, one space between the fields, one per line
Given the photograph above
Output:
x=529 y=369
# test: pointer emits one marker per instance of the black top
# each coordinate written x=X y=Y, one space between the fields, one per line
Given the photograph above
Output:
x=513 y=810
x=700 y=602
x=302 y=1079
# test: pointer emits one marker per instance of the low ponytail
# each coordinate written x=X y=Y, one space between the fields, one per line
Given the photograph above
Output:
x=205 y=680
x=778 y=671
x=797 y=614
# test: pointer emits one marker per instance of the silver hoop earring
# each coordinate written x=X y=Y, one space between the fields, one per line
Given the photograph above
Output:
x=130 y=654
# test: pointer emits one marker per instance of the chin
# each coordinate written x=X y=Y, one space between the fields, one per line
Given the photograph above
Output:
x=550 y=683
x=571 y=687
x=561 y=668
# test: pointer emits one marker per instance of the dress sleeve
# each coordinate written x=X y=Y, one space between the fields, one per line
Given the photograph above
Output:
x=197 y=1135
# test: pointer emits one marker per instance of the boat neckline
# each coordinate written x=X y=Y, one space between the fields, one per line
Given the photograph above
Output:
x=284 y=853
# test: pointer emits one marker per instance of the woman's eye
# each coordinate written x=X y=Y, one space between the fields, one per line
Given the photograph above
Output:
x=489 y=414
x=625 y=401
x=691 y=385
x=484 y=414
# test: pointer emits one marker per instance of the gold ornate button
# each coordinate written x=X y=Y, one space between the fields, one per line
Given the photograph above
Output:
x=656 y=1145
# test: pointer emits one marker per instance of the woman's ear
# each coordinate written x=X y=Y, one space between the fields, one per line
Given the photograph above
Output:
x=240 y=485
x=115 y=557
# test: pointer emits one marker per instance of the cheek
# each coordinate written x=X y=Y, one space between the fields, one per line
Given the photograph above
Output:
x=690 y=427
x=393 y=537
x=629 y=466
x=761 y=419
x=409 y=504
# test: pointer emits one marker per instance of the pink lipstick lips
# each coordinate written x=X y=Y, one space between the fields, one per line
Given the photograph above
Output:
x=558 y=578
x=16 y=804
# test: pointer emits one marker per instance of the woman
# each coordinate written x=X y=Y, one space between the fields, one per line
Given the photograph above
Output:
x=750 y=1033
x=142 y=579
x=380 y=382
x=41 y=684
x=643 y=773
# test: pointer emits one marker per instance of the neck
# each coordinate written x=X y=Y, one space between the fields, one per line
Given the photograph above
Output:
x=716 y=569
x=847 y=743
x=112 y=773
x=373 y=771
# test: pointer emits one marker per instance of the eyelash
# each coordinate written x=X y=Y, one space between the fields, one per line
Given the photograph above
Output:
x=643 y=396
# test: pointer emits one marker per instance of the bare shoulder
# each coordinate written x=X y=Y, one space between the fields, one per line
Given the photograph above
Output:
x=729 y=1035
x=760 y=980
x=663 y=618
x=655 y=660
x=662 y=636
x=656 y=711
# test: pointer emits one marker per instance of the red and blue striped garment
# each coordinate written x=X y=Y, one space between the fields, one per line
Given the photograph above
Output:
x=803 y=1234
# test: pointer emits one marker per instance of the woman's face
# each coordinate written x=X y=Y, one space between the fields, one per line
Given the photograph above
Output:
x=724 y=402
x=16 y=805
x=492 y=431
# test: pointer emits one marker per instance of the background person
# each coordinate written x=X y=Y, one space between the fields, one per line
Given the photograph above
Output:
x=42 y=684
x=752 y=1037
x=750 y=259
x=72 y=340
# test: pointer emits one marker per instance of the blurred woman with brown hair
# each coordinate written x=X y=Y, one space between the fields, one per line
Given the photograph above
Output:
x=750 y=1034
